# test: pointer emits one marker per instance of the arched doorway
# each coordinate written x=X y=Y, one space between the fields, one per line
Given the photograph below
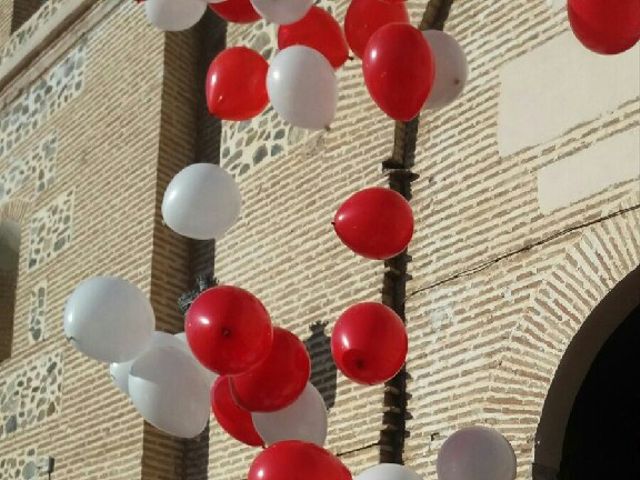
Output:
x=9 y=260
x=590 y=423
x=602 y=439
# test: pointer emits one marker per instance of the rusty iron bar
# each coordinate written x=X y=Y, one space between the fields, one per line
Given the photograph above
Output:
x=395 y=413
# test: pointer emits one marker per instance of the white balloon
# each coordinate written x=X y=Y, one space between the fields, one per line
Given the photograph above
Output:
x=209 y=376
x=174 y=15
x=120 y=371
x=389 y=471
x=168 y=390
x=282 y=12
x=302 y=87
x=476 y=453
x=108 y=319
x=305 y=420
x=202 y=201
x=451 y=69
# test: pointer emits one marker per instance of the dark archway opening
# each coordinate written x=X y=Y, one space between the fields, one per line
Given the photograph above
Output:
x=9 y=263
x=602 y=439
x=23 y=10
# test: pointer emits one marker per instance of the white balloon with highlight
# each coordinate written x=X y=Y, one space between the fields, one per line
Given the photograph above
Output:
x=303 y=87
x=120 y=371
x=109 y=319
x=168 y=390
x=389 y=471
x=476 y=453
x=174 y=15
x=304 y=420
x=202 y=202
x=282 y=12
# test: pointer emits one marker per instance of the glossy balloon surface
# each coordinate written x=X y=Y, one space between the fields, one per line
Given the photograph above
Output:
x=202 y=202
x=476 y=453
x=228 y=329
x=317 y=30
x=389 y=471
x=236 y=11
x=174 y=15
x=236 y=421
x=605 y=26
x=303 y=87
x=120 y=371
x=109 y=319
x=295 y=460
x=365 y=17
x=230 y=99
x=451 y=69
x=305 y=419
x=282 y=12
x=278 y=380
x=376 y=223
x=399 y=70
x=169 y=391
x=369 y=343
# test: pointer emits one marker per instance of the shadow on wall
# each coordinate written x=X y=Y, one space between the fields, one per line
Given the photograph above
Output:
x=323 y=369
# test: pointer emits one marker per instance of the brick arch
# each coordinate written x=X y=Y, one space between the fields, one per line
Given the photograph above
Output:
x=15 y=210
x=539 y=371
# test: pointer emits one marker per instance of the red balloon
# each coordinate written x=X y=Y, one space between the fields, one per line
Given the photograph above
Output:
x=605 y=26
x=229 y=331
x=318 y=30
x=376 y=223
x=230 y=99
x=236 y=11
x=279 y=380
x=236 y=421
x=296 y=460
x=365 y=17
x=369 y=343
x=399 y=70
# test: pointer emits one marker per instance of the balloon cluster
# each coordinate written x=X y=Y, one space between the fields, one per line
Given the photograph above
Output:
x=405 y=70
x=231 y=359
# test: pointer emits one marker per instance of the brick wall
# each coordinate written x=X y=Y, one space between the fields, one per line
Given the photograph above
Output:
x=491 y=258
x=6 y=14
x=110 y=162
x=505 y=268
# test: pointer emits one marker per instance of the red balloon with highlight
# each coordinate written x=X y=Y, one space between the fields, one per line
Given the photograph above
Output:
x=366 y=17
x=230 y=99
x=296 y=460
x=236 y=11
x=236 y=421
x=605 y=26
x=229 y=331
x=278 y=380
x=320 y=31
x=399 y=70
x=369 y=343
x=376 y=223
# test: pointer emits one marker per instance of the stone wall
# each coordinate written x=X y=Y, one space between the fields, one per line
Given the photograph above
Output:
x=89 y=138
